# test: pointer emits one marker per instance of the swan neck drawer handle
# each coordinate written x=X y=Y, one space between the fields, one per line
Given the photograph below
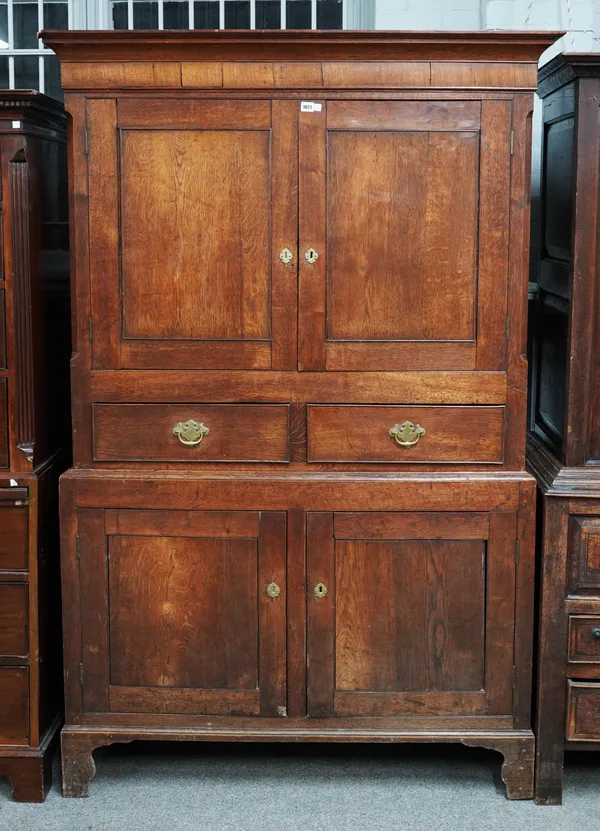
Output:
x=190 y=432
x=407 y=434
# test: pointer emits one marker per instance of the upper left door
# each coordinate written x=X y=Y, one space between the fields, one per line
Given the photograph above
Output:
x=193 y=233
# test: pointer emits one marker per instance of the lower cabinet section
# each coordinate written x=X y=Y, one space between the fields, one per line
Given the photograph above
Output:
x=281 y=608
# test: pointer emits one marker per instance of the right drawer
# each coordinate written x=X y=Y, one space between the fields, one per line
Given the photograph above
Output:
x=583 y=712
x=404 y=434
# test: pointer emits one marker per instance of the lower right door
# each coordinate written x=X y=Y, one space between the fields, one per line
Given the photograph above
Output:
x=410 y=613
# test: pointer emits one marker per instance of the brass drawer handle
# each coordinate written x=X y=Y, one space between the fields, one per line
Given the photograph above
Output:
x=273 y=590
x=596 y=634
x=407 y=434
x=191 y=432
x=321 y=590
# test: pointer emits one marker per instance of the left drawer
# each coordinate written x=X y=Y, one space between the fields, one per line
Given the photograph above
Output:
x=191 y=432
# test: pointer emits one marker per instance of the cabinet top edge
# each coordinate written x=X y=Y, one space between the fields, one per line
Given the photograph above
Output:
x=565 y=67
x=297 y=45
x=27 y=104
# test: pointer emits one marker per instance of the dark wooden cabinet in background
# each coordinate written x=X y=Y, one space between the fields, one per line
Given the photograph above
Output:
x=298 y=508
x=34 y=429
x=564 y=444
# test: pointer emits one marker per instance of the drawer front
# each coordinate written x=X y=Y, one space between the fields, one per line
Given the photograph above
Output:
x=420 y=434
x=583 y=712
x=14 y=705
x=13 y=619
x=206 y=432
x=14 y=533
x=584 y=555
x=584 y=639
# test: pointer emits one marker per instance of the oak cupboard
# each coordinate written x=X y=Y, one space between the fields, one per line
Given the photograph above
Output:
x=298 y=507
x=562 y=450
x=34 y=430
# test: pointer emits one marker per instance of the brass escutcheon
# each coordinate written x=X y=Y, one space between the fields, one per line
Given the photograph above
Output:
x=321 y=590
x=286 y=256
x=273 y=590
x=311 y=256
x=407 y=434
x=190 y=433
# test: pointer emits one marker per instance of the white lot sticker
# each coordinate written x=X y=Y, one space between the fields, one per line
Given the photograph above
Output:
x=310 y=107
x=16 y=125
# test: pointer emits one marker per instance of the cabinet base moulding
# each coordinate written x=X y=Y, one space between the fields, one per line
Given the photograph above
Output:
x=29 y=769
x=517 y=747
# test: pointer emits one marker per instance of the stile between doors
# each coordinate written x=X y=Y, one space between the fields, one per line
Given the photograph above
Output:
x=403 y=207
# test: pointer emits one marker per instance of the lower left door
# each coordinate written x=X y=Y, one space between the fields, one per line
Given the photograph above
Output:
x=183 y=611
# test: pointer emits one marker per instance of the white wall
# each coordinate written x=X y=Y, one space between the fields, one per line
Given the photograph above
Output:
x=580 y=18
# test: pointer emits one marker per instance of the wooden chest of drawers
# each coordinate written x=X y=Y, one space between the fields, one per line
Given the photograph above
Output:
x=563 y=447
x=299 y=384
x=34 y=430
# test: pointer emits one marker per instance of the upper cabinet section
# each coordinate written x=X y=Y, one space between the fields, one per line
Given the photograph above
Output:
x=566 y=369
x=298 y=59
x=298 y=218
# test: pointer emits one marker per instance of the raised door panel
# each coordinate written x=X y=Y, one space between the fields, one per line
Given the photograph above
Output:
x=191 y=203
x=410 y=614
x=181 y=615
x=406 y=205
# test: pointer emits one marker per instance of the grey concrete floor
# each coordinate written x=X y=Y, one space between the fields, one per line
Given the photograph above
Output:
x=150 y=787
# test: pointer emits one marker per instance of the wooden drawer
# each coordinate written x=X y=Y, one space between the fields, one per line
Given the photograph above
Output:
x=584 y=555
x=362 y=434
x=13 y=619
x=14 y=537
x=237 y=432
x=584 y=639
x=583 y=712
x=14 y=705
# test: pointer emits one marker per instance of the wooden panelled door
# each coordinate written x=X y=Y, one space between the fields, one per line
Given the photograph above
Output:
x=184 y=611
x=410 y=613
x=406 y=204
x=201 y=197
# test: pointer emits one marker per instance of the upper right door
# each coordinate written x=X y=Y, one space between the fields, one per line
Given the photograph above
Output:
x=404 y=234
